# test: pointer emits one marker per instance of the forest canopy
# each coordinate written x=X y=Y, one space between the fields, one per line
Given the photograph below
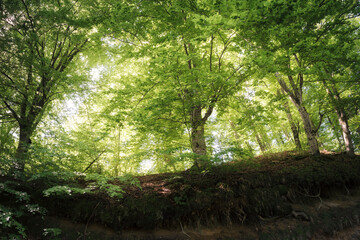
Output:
x=117 y=87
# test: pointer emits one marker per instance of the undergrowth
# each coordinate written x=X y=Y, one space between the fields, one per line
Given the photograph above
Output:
x=17 y=196
x=234 y=192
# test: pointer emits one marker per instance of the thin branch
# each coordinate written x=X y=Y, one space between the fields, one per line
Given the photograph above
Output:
x=28 y=14
x=187 y=53
x=320 y=121
x=144 y=95
x=8 y=77
x=182 y=229
x=297 y=60
x=211 y=50
x=226 y=44
x=284 y=86
x=98 y=156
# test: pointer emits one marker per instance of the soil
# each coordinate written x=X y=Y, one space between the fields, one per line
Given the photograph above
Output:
x=287 y=195
x=310 y=223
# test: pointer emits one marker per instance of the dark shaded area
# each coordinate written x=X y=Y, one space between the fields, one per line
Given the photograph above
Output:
x=257 y=195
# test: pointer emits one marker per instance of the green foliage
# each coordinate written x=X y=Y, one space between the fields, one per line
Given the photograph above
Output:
x=138 y=72
x=10 y=227
x=14 y=205
x=7 y=142
x=231 y=154
x=64 y=190
x=101 y=183
x=65 y=184
x=94 y=90
x=53 y=233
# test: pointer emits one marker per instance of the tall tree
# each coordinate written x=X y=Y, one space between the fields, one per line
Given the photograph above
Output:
x=295 y=128
x=295 y=92
x=335 y=71
x=336 y=101
x=39 y=40
x=286 y=37
x=192 y=65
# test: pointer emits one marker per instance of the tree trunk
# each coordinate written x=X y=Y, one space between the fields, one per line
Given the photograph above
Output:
x=294 y=128
x=295 y=94
x=309 y=130
x=342 y=116
x=349 y=147
x=22 y=150
x=198 y=143
x=260 y=142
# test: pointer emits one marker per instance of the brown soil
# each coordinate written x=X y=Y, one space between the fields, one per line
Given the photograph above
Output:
x=278 y=196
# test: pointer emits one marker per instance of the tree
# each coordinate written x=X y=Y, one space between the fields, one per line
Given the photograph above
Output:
x=295 y=93
x=295 y=128
x=335 y=72
x=193 y=64
x=39 y=40
x=287 y=39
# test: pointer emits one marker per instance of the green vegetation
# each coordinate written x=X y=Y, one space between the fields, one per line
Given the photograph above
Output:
x=95 y=93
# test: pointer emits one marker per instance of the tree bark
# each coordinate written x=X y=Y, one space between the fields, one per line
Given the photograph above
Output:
x=294 y=128
x=295 y=94
x=260 y=142
x=334 y=96
x=343 y=121
x=309 y=130
x=198 y=144
x=23 y=147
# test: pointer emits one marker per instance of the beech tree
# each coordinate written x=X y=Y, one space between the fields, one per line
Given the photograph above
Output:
x=288 y=39
x=295 y=128
x=192 y=65
x=174 y=72
x=39 y=40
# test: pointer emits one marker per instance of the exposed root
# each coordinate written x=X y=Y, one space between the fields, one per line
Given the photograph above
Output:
x=182 y=230
x=88 y=221
x=269 y=219
x=302 y=216
x=306 y=194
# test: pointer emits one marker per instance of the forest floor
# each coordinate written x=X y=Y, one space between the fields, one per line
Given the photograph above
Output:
x=286 y=195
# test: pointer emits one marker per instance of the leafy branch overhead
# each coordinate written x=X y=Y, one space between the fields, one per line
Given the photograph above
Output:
x=115 y=87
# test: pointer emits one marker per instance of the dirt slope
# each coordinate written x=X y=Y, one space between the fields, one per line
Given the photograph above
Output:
x=278 y=196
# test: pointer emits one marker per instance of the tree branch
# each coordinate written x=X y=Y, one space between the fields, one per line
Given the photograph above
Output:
x=320 y=121
x=211 y=50
x=284 y=86
x=98 y=156
x=12 y=111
